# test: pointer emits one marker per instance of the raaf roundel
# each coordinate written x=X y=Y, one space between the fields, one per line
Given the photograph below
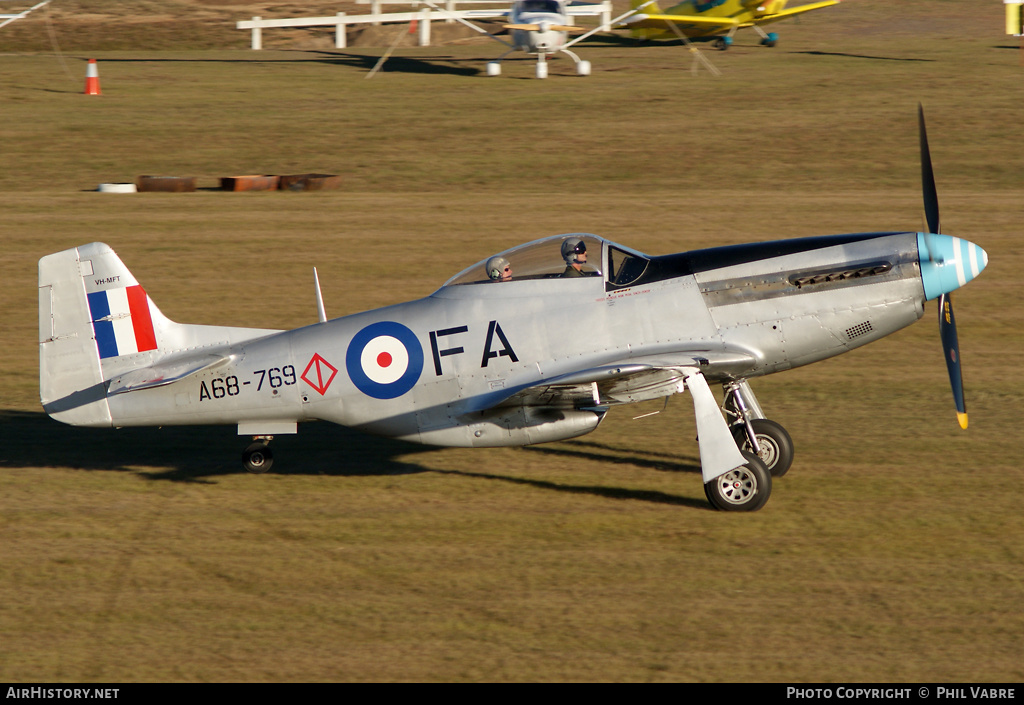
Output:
x=384 y=360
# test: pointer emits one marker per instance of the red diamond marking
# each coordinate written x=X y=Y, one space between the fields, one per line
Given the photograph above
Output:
x=323 y=374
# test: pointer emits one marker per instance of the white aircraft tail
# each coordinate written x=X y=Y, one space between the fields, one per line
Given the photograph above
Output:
x=96 y=323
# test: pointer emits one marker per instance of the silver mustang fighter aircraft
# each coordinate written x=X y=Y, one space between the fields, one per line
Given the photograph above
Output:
x=534 y=344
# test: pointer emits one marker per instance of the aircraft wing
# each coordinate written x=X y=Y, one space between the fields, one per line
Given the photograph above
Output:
x=637 y=379
x=486 y=13
x=642 y=21
x=536 y=27
x=164 y=372
x=776 y=16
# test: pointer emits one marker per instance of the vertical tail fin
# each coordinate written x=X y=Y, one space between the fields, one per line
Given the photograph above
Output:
x=91 y=309
x=97 y=324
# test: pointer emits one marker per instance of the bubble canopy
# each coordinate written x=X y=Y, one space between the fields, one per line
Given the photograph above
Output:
x=542 y=259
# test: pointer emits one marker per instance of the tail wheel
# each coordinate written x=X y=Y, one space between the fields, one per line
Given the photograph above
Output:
x=775 y=445
x=257 y=458
x=744 y=489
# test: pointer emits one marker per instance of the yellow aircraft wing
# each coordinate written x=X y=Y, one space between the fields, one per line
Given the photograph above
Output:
x=784 y=14
x=658 y=21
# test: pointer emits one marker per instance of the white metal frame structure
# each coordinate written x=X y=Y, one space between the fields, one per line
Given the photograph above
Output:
x=425 y=16
x=7 y=18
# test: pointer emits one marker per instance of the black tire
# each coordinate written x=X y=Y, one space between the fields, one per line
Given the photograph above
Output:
x=257 y=458
x=745 y=489
x=776 y=446
x=721 y=44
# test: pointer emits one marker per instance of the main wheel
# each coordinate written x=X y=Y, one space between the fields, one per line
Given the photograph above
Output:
x=776 y=447
x=745 y=489
x=257 y=458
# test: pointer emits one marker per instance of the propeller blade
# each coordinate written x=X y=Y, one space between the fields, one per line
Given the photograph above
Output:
x=931 y=197
x=951 y=351
x=947 y=322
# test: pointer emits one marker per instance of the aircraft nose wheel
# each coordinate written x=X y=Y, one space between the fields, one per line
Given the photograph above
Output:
x=744 y=489
x=257 y=458
x=775 y=445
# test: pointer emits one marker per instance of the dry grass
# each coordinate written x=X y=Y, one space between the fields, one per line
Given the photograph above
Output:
x=890 y=552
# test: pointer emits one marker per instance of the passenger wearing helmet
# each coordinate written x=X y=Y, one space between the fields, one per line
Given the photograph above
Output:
x=498 y=269
x=574 y=252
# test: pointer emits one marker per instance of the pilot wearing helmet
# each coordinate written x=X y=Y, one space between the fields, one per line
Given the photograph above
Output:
x=574 y=252
x=498 y=269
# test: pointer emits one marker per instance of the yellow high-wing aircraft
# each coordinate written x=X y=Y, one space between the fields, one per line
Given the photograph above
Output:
x=704 y=19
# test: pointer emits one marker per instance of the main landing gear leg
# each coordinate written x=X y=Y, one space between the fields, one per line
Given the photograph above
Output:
x=257 y=458
x=494 y=67
x=752 y=430
x=733 y=480
x=768 y=39
x=582 y=66
x=723 y=43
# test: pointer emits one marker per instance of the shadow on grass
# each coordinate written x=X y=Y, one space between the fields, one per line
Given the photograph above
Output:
x=201 y=453
x=196 y=453
x=609 y=454
x=397 y=63
x=652 y=496
x=590 y=452
x=705 y=42
x=860 y=56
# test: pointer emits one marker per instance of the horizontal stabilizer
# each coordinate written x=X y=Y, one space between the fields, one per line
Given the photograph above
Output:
x=164 y=373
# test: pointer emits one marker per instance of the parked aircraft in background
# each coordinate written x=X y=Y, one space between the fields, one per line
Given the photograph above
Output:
x=540 y=28
x=533 y=344
x=718 y=19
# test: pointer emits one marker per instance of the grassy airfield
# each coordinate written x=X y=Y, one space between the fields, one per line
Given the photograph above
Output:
x=890 y=552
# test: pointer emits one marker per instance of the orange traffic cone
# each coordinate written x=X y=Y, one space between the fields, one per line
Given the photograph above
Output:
x=92 y=79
